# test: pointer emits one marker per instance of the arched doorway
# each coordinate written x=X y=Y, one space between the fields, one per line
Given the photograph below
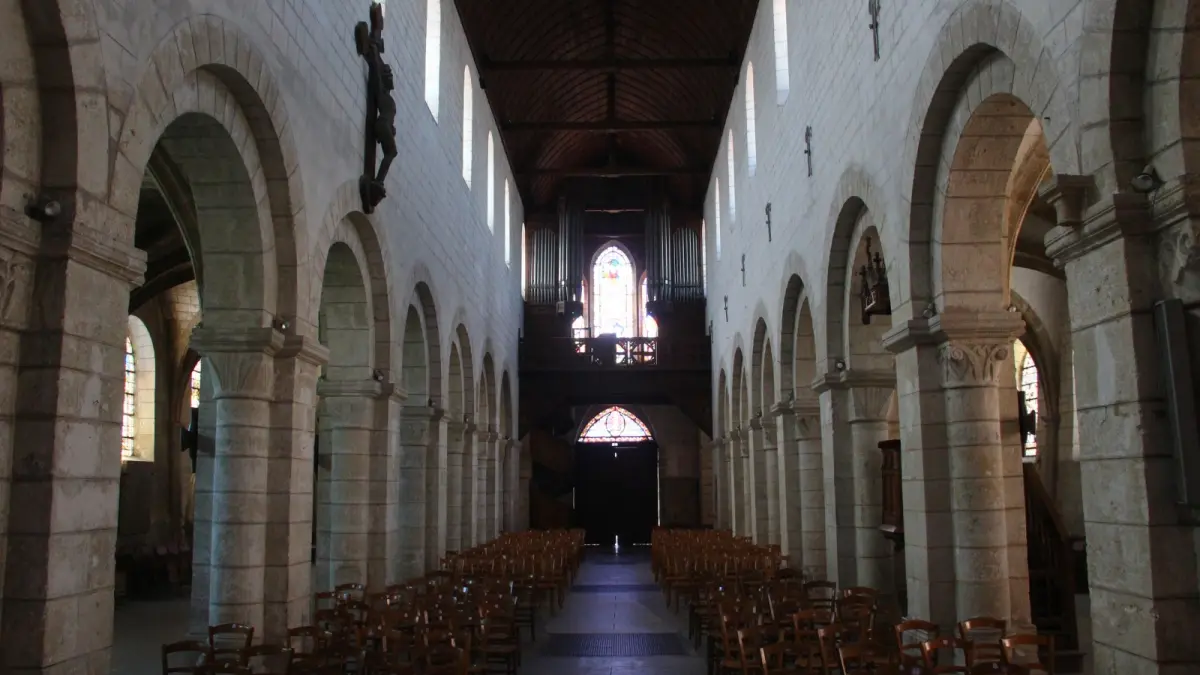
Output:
x=616 y=479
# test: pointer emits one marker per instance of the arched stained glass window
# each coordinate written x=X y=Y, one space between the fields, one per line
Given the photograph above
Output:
x=129 y=404
x=649 y=325
x=433 y=55
x=468 y=133
x=194 y=386
x=751 y=119
x=613 y=294
x=615 y=425
x=1027 y=381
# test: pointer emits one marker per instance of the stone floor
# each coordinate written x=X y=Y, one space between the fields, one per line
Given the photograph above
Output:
x=613 y=609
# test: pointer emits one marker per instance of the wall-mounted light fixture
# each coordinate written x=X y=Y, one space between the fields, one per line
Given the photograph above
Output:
x=43 y=209
x=1147 y=181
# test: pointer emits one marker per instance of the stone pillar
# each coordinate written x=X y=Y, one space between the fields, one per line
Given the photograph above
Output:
x=349 y=446
x=418 y=433
x=61 y=506
x=925 y=474
x=811 y=486
x=487 y=489
x=1142 y=555
x=771 y=485
x=837 y=465
x=508 y=448
x=754 y=466
x=737 y=483
x=869 y=394
x=467 y=486
x=720 y=483
x=241 y=362
x=457 y=536
x=497 y=486
x=708 y=488
x=436 y=482
x=288 y=574
x=788 y=480
x=526 y=474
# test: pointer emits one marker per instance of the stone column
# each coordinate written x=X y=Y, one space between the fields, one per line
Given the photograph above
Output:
x=925 y=474
x=487 y=491
x=708 y=488
x=754 y=466
x=990 y=555
x=288 y=574
x=497 y=486
x=526 y=474
x=467 y=486
x=837 y=465
x=787 y=481
x=720 y=483
x=811 y=486
x=66 y=444
x=349 y=447
x=436 y=484
x=457 y=536
x=869 y=394
x=737 y=483
x=771 y=485
x=507 y=461
x=418 y=433
x=242 y=365
x=1142 y=555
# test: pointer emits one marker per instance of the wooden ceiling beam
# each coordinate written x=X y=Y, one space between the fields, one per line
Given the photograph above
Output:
x=614 y=172
x=613 y=126
x=611 y=65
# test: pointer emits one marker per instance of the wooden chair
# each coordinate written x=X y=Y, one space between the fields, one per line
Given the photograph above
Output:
x=1017 y=651
x=909 y=651
x=190 y=653
x=865 y=658
x=821 y=594
x=266 y=659
x=935 y=664
x=223 y=668
x=229 y=642
x=982 y=636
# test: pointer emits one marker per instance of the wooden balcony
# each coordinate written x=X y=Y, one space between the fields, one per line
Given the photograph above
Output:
x=598 y=353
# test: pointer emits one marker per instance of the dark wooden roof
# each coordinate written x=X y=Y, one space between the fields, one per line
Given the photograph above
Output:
x=605 y=88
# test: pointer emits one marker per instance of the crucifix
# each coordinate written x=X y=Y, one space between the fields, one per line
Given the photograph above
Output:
x=768 y=221
x=743 y=270
x=873 y=8
x=381 y=109
x=727 y=309
x=808 y=148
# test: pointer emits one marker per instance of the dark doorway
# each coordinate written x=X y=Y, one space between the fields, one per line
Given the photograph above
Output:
x=616 y=491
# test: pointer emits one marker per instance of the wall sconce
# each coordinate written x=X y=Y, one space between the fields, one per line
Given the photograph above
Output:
x=874 y=290
x=378 y=375
x=466 y=418
x=839 y=364
x=1147 y=181
x=281 y=324
x=429 y=403
x=758 y=413
x=43 y=209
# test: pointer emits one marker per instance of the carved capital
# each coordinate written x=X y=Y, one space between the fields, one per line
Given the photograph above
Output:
x=241 y=360
x=366 y=389
x=966 y=364
x=1068 y=194
x=869 y=403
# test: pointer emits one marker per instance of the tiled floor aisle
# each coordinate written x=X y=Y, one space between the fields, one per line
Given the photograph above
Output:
x=613 y=611
x=142 y=626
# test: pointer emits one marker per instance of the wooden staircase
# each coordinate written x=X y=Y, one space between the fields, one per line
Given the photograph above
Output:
x=1057 y=573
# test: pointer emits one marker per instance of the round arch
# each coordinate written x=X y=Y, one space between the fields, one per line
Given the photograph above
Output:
x=615 y=424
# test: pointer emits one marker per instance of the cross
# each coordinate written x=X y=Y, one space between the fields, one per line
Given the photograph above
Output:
x=727 y=309
x=808 y=147
x=768 y=221
x=873 y=8
x=743 y=270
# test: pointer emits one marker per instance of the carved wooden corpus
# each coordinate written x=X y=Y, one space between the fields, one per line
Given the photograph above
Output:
x=381 y=109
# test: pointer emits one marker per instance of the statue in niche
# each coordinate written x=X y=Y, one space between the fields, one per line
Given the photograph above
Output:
x=381 y=109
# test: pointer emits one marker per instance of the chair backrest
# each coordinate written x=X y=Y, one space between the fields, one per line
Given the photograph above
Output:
x=909 y=646
x=982 y=635
x=936 y=665
x=229 y=639
x=268 y=658
x=1033 y=652
x=183 y=656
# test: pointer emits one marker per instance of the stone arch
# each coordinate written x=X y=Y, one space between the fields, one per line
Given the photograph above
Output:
x=454 y=384
x=736 y=411
x=761 y=368
x=201 y=83
x=344 y=318
x=856 y=193
x=506 y=406
x=48 y=135
x=145 y=387
x=721 y=428
x=422 y=361
x=344 y=222
x=999 y=59
x=467 y=374
x=487 y=391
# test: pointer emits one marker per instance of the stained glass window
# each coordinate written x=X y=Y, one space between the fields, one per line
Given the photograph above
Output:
x=194 y=386
x=612 y=294
x=649 y=325
x=129 y=404
x=615 y=425
x=1027 y=381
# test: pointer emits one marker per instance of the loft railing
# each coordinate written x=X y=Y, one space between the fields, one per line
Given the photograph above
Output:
x=608 y=352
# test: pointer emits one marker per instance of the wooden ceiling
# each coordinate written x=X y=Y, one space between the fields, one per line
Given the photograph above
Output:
x=600 y=89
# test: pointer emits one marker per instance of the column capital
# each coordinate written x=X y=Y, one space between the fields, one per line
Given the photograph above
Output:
x=972 y=364
x=305 y=348
x=422 y=413
x=854 y=379
x=1122 y=214
x=372 y=389
x=807 y=407
x=92 y=248
x=241 y=359
x=1068 y=195
x=954 y=325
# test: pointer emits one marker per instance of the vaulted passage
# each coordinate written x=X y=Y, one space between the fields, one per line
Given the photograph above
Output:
x=382 y=323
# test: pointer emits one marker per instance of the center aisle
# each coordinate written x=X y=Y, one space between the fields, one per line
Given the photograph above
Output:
x=614 y=622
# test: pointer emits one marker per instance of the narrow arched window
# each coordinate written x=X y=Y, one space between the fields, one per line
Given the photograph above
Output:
x=1027 y=382
x=717 y=215
x=751 y=141
x=782 y=79
x=613 y=290
x=194 y=386
x=507 y=226
x=704 y=255
x=433 y=54
x=129 y=403
x=732 y=189
x=491 y=184
x=524 y=264
x=468 y=135
x=649 y=325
